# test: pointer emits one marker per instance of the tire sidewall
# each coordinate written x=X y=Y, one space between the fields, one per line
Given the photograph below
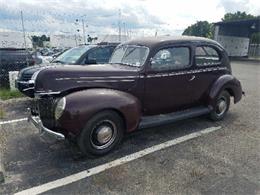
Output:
x=213 y=115
x=84 y=142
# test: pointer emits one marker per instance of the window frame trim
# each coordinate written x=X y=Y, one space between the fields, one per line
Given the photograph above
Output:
x=211 y=46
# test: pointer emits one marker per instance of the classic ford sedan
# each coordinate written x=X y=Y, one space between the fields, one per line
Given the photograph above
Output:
x=148 y=82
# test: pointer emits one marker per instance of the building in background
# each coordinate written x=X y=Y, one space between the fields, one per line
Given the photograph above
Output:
x=65 y=40
x=11 y=39
x=113 y=38
x=236 y=37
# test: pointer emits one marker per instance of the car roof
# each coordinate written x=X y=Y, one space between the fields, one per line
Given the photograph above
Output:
x=98 y=45
x=161 y=40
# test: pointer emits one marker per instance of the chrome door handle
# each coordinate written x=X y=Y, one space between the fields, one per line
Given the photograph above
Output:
x=192 y=78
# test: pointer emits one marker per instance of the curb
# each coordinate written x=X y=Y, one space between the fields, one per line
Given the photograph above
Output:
x=2 y=177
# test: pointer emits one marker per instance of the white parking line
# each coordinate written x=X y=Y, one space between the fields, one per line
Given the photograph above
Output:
x=93 y=171
x=13 y=121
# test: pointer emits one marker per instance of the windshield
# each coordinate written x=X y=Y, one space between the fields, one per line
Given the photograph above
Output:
x=131 y=55
x=72 y=55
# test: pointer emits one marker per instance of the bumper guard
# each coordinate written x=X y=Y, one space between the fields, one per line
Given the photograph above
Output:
x=36 y=121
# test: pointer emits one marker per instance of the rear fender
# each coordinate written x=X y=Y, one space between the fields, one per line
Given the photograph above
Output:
x=82 y=105
x=226 y=82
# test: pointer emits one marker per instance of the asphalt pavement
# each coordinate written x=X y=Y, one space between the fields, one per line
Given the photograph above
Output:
x=226 y=161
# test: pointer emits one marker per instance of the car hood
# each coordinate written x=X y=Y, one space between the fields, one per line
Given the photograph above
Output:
x=65 y=78
x=29 y=71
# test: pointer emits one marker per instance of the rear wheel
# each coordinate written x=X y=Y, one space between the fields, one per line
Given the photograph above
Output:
x=101 y=134
x=221 y=106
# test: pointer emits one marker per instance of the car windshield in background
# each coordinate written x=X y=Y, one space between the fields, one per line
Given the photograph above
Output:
x=72 y=55
x=131 y=55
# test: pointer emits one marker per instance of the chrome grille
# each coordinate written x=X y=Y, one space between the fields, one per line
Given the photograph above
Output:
x=26 y=77
x=46 y=111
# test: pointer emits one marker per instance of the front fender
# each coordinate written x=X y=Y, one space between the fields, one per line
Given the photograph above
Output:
x=226 y=82
x=82 y=105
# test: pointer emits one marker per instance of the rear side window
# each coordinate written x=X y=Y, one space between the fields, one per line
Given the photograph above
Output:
x=172 y=58
x=207 y=56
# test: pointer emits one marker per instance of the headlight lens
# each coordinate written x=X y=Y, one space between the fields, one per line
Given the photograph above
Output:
x=60 y=107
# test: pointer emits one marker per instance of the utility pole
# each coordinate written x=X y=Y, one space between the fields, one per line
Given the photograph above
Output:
x=124 y=29
x=119 y=25
x=24 y=38
x=156 y=33
x=83 y=30
x=23 y=30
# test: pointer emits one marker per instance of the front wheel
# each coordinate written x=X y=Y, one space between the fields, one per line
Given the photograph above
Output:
x=221 y=106
x=101 y=134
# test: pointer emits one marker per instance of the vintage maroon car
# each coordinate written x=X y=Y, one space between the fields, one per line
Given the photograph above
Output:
x=148 y=82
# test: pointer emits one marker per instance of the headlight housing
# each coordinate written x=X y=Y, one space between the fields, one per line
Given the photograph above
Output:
x=60 y=107
x=34 y=76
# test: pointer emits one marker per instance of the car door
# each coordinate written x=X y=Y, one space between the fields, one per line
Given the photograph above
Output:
x=207 y=69
x=166 y=82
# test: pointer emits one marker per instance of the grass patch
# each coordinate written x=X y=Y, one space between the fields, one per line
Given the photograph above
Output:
x=2 y=113
x=6 y=94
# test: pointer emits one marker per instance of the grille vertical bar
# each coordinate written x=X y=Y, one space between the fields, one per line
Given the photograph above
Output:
x=46 y=111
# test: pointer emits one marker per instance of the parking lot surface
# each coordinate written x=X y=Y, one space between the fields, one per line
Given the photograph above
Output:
x=225 y=161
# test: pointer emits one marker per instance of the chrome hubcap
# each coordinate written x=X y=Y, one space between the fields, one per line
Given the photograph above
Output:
x=103 y=134
x=221 y=107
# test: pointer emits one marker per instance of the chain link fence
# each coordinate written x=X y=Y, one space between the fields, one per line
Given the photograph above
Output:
x=12 y=60
x=254 y=50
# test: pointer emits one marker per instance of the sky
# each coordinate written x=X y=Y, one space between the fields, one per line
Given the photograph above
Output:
x=137 y=17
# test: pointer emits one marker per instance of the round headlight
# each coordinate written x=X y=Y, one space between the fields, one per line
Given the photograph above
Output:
x=60 y=106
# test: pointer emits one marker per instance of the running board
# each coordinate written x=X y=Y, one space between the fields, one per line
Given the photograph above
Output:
x=163 y=119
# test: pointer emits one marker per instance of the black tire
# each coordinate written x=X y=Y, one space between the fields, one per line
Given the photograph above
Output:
x=221 y=106
x=103 y=122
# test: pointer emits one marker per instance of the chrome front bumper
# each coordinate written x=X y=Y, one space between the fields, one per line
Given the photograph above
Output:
x=38 y=124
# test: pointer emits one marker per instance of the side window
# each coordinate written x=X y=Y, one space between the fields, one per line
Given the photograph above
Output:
x=206 y=56
x=171 y=59
x=100 y=55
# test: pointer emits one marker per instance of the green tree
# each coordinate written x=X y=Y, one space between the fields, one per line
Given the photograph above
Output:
x=200 y=29
x=44 y=38
x=237 y=16
x=90 y=39
x=38 y=40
